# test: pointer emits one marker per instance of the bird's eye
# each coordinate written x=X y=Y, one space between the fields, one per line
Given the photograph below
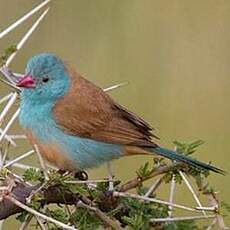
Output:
x=45 y=79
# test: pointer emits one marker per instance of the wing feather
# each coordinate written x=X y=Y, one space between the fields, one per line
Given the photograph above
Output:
x=87 y=111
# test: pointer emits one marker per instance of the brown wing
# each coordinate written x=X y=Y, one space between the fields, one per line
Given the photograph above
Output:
x=86 y=111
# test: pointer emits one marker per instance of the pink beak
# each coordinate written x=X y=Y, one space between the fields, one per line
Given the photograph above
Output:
x=26 y=82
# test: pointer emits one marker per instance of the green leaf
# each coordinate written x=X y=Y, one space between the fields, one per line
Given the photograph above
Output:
x=76 y=188
x=58 y=214
x=187 y=148
x=33 y=174
x=22 y=216
x=8 y=51
x=144 y=170
x=85 y=221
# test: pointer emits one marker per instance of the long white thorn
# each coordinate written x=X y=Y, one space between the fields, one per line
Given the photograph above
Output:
x=153 y=187
x=22 y=166
x=125 y=194
x=86 y=181
x=8 y=78
x=192 y=191
x=9 y=124
x=12 y=162
x=36 y=213
x=171 y=195
x=22 y=19
x=8 y=75
x=171 y=219
x=211 y=209
x=6 y=98
x=26 y=36
x=42 y=163
x=116 y=86
x=8 y=106
x=8 y=138
x=18 y=74
x=17 y=136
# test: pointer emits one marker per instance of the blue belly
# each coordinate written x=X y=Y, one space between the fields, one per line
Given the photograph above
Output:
x=85 y=152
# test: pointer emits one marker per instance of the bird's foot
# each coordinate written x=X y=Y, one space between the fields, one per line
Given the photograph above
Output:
x=81 y=175
x=61 y=171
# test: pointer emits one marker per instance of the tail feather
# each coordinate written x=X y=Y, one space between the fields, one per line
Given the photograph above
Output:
x=172 y=155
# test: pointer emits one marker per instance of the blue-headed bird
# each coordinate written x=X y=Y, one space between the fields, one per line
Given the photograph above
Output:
x=76 y=125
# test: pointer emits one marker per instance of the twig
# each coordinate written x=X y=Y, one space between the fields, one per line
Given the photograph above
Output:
x=20 y=179
x=125 y=194
x=36 y=191
x=155 y=172
x=214 y=202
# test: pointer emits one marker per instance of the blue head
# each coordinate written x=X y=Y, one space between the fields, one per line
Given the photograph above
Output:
x=45 y=81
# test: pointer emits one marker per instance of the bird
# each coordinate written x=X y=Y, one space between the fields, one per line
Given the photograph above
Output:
x=76 y=125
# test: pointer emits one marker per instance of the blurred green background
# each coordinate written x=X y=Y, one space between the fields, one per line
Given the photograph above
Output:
x=175 y=54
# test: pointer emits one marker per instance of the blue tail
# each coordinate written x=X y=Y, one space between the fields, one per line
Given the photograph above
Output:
x=172 y=155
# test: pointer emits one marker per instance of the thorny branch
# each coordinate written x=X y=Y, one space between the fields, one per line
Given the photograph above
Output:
x=56 y=195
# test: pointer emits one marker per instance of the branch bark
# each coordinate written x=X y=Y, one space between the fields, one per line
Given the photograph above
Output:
x=21 y=192
x=155 y=172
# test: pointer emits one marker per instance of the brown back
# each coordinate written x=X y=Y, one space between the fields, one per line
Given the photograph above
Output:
x=87 y=111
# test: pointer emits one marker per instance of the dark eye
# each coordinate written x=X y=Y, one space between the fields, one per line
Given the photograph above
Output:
x=45 y=79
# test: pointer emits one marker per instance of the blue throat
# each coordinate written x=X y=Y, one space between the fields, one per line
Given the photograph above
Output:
x=85 y=152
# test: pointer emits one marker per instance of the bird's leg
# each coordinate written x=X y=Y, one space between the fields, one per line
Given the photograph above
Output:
x=81 y=175
x=65 y=172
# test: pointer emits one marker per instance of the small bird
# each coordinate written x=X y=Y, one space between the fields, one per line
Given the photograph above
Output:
x=76 y=125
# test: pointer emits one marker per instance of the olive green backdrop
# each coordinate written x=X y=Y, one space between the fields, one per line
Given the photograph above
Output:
x=175 y=54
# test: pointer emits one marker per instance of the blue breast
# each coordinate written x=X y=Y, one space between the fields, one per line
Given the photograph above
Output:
x=85 y=152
